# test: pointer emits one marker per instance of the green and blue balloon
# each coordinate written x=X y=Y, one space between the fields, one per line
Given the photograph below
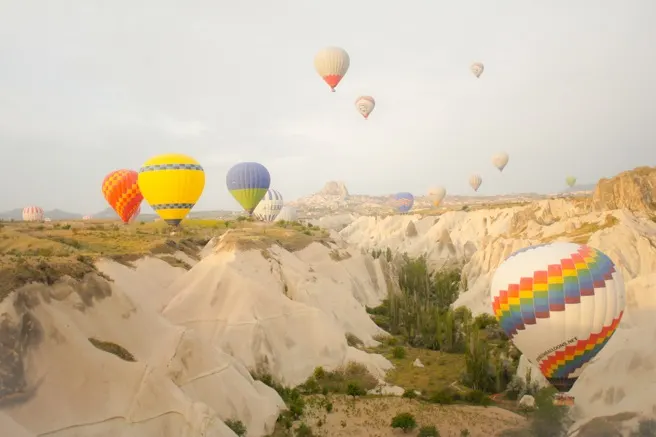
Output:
x=248 y=182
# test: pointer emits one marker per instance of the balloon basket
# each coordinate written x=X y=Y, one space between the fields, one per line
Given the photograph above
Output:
x=563 y=400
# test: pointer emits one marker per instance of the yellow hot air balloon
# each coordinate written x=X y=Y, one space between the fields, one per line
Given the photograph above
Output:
x=171 y=184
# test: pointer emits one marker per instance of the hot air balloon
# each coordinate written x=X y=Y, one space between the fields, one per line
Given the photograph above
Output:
x=475 y=181
x=364 y=105
x=32 y=214
x=332 y=63
x=436 y=195
x=288 y=214
x=500 y=160
x=403 y=202
x=172 y=184
x=135 y=215
x=269 y=207
x=477 y=68
x=559 y=303
x=248 y=182
x=86 y=218
x=571 y=181
x=122 y=192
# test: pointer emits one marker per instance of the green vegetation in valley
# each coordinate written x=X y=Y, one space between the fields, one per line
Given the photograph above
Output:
x=464 y=357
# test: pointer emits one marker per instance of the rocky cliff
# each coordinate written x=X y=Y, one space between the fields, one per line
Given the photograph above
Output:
x=634 y=190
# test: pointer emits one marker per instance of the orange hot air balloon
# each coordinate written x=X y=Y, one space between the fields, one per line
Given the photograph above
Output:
x=122 y=192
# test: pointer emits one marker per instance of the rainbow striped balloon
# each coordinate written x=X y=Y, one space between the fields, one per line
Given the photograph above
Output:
x=559 y=303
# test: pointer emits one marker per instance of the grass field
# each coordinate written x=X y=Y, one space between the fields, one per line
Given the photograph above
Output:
x=440 y=369
x=44 y=252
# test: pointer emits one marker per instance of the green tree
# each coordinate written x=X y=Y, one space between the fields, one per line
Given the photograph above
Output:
x=548 y=419
x=404 y=421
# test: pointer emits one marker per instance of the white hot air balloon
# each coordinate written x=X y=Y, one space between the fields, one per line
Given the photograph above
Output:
x=475 y=181
x=332 y=63
x=559 y=303
x=288 y=214
x=477 y=68
x=269 y=207
x=32 y=214
x=500 y=160
x=436 y=195
x=364 y=105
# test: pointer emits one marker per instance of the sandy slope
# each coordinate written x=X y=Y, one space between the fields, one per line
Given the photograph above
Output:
x=371 y=417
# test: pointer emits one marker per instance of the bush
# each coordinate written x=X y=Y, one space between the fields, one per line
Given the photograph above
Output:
x=237 y=426
x=291 y=397
x=410 y=394
x=477 y=397
x=428 y=431
x=353 y=389
x=339 y=380
x=484 y=320
x=464 y=433
x=445 y=396
x=398 y=352
x=404 y=421
x=548 y=419
x=304 y=431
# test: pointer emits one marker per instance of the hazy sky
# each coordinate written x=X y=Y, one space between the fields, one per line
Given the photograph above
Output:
x=87 y=87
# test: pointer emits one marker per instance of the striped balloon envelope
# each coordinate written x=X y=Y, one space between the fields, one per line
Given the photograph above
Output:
x=33 y=214
x=288 y=214
x=172 y=184
x=403 y=202
x=135 y=215
x=269 y=207
x=248 y=182
x=559 y=303
x=122 y=192
x=332 y=63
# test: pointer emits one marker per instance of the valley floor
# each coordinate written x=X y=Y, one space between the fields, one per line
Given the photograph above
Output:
x=372 y=416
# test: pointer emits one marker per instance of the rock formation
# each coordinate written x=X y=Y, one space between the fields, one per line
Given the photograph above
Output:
x=634 y=190
x=334 y=188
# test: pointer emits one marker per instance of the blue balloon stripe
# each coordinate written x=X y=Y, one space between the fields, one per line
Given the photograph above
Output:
x=248 y=175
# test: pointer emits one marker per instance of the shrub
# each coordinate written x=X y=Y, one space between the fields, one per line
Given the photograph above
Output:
x=464 y=433
x=445 y=396
x=404 y=421
x=398 y=352
x=319 y=373
x=428 y=431
x=548 y=419
x=304 y=431
x=353 y=389
x=484 y=320
x=339 y=380
x=477 y=397
x=237 y=426
x=410 y=394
